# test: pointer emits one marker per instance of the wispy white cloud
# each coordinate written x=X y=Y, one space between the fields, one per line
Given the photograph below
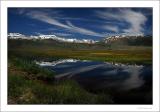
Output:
x=111 y=28
x=82 y=30
x=21 y=11
x=44 y=17
x=63 y=34
x=135 y=19
x=47 y=18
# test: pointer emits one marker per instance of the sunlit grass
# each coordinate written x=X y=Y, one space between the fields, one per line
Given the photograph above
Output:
x=51 y=49
x=127 y=56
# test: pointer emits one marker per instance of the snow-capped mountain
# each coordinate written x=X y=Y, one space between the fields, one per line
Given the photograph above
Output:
x=121 y=37
x=115 y=40
x=54 y=37
x=17 y=36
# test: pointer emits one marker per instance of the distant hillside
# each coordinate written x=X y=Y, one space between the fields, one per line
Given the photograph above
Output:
x=107 y=43
x=128 y=40
x=53 y=44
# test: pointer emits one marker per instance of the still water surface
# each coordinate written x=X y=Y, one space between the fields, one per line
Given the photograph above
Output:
x=100 y=75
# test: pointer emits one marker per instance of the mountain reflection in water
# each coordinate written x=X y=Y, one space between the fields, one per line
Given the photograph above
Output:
x=100 y=75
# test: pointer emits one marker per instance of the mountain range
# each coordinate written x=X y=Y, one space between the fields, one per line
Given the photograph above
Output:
x=54 y=37
x=110 y=40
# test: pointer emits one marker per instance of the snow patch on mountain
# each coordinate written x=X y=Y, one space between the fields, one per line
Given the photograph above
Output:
x=54 y=37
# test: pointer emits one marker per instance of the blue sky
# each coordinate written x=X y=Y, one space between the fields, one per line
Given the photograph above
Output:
x=88 y=23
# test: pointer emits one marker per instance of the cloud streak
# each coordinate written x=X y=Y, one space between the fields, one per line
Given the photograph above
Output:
x=82 y=30
x=136 y=20
x=46 y=17
x=111 y=28
x=63 y=34
x=89 y=23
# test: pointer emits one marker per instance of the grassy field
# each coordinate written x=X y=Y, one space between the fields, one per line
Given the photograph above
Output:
x=125 y=54
x=29 y=83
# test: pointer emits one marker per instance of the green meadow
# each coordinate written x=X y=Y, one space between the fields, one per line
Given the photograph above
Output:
x=29 y=83
x=98 y=52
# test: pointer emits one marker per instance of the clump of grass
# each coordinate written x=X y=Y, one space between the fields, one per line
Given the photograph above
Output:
x=71 y=93
x=33 y=71
x=24 y=91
